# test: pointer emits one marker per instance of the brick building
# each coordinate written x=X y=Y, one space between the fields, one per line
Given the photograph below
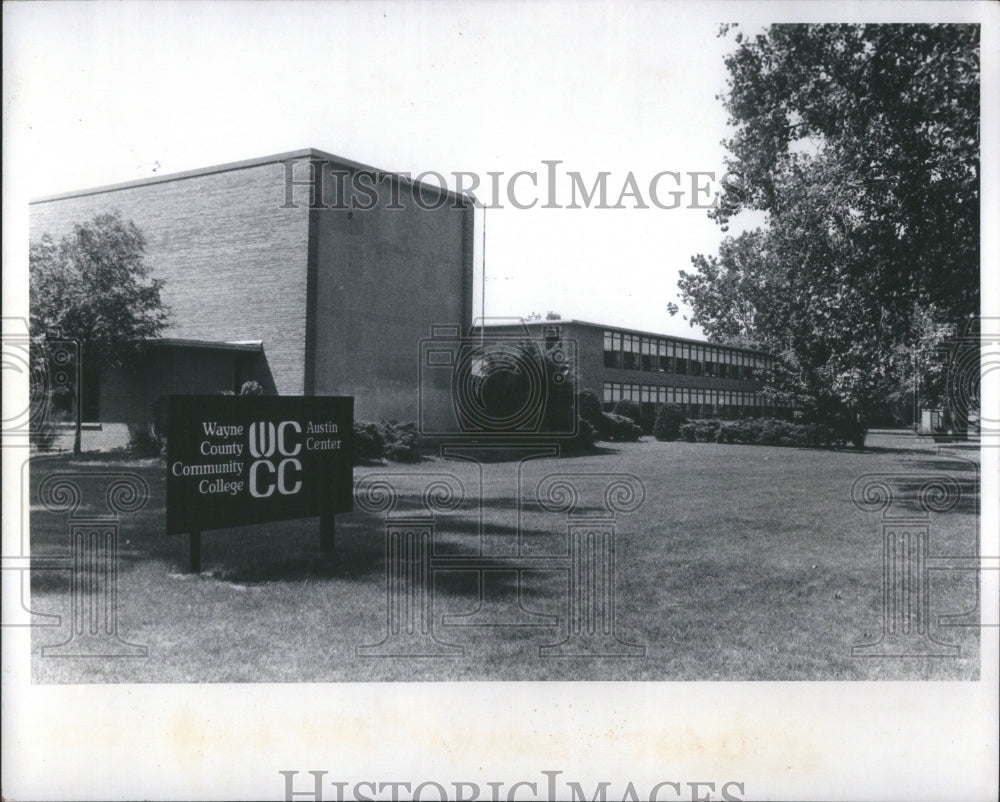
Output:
x=306 y=272
x=705 y=379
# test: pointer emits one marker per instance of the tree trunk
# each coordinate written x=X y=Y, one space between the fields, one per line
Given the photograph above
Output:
x=77 y=436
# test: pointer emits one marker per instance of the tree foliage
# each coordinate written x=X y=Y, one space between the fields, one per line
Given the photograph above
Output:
x=860 y=144
x=93 y=286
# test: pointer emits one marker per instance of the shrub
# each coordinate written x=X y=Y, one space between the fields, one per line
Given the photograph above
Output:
x=629 y=409
x=727 y=433
x=43 y=429
x=767 y=431
x=589 y=407
x=585 y=436
x=401 y=441
x=391 y=440
x=668 y=422
x=748 y=430
x=369 y=443
x=158 y=427
x=142 y=439
x=705 y=431
x=251 y=388
x=618 y=428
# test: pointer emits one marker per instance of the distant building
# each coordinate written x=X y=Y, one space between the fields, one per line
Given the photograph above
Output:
x=306 y=272
x=706 y=380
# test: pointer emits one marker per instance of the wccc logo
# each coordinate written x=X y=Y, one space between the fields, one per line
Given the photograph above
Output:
x=275 y=467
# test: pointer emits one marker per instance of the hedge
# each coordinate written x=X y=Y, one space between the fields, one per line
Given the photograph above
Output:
x=398 y=442
x=762 y=431
x=618 y=428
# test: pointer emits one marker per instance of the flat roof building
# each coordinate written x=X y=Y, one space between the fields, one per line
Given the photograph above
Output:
x=304 y=271
x=705 y=379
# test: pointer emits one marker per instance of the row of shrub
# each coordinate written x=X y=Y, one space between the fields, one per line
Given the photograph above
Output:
x=391 y=440
x=762 y=431
x=622 y=425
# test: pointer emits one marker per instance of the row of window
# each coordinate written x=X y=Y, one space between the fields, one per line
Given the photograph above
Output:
x=696 y=402
x=637 y=352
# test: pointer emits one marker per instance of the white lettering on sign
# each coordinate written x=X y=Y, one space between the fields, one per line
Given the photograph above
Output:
x=329 y=427
x=226 y=449
x=265 y=438
x=282 y=443
x=313 y=444
x=213 y=429
x=180 y=469
x=262 y=439
x=206 y=487
x=264 y=486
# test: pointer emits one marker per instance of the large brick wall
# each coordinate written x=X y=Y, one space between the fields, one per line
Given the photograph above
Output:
x=234 y=262
x=383 y=277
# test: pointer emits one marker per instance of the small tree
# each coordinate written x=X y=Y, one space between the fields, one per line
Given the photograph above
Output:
x=94 y=287
x=590 y=407
x=629 y=409
x=668 y=422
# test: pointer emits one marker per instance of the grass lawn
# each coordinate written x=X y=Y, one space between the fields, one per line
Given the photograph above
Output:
x=743 y=563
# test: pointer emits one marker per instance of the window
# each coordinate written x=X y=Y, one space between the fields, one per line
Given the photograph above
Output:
x=612 y=394
x=695 y=363
x=647 y=353
x=664 y=357
x=630 y=352
x=612 y=349
x=682 y=357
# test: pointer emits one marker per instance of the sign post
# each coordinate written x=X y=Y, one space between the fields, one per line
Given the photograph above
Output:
x=238 y=460
x=194 y=552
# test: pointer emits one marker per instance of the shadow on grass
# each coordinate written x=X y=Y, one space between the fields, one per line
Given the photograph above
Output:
x=923 y=452
x=907 y=495
x=490 y=455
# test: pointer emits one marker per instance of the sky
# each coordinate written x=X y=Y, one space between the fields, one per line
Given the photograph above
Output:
x=101 y=93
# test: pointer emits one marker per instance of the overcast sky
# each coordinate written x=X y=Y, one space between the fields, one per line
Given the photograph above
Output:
x=97 y=94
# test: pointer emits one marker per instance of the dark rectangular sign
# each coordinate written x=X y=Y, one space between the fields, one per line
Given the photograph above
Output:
x=237 y=460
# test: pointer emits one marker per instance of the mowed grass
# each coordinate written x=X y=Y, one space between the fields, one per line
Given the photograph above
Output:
x=743 y=563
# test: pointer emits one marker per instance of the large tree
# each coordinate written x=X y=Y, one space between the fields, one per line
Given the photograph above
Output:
x=93 y=286
x=860 y=143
